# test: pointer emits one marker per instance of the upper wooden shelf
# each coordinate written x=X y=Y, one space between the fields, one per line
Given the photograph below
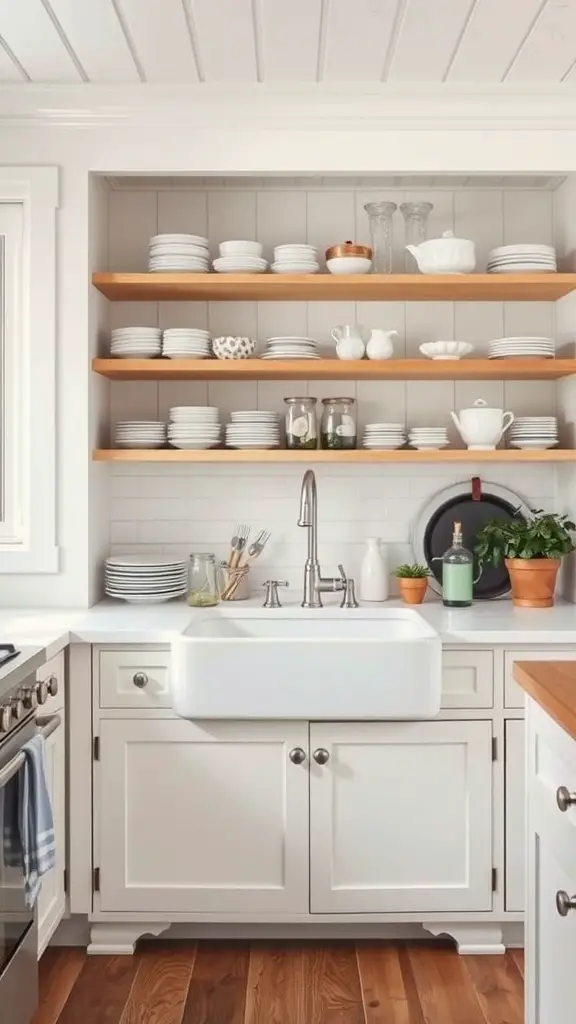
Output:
x=311 y=287
x=402 y=455
x=334 y=369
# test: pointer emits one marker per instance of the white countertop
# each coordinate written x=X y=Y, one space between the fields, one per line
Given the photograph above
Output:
x=110 y=622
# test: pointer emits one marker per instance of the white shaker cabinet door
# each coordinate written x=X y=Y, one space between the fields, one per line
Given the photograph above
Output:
x=551 y=959
x=515 y=804
x=202 y=819
x=401 y=817
x=52 y=896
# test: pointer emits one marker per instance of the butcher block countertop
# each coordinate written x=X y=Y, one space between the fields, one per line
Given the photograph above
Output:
x=552 y=684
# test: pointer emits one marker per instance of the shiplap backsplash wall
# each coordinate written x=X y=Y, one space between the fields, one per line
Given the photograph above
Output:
x=179 y=508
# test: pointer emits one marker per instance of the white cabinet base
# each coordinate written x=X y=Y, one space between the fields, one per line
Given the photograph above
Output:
x=121 y=939
x=471 y=939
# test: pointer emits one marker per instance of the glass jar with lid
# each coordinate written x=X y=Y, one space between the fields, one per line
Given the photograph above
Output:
x=301 y=428
x=338 y=429
x=203 y=581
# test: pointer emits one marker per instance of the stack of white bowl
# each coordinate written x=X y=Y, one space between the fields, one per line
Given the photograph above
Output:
x=295 y=259
x=430 y=438
x=194 y=427
x=534 y=432
x=240 y=257
x=140 y=434
x=145 y=579
x=179 y=252
x=186 y=343
x=384 y=435
x=253 y=428
x=291 y=347
x=136 y=342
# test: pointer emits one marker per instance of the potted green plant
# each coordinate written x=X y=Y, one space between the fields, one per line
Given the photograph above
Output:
x=412 y=581
x=531 y=549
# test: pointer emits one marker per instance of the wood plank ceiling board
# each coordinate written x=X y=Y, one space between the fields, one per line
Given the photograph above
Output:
x=96 y=36
x=428 y=37
x=9 y=69
x=357 y=39
x=34 y=38
x=290 y=39
x=226 y=39
x=550 y=48
x=492 y=38
x=160 y=36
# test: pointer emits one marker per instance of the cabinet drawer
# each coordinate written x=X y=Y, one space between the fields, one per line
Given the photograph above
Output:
x=552 y=758
x=53 y=669
x=134 y=679
x=514 y=694
x=467 y=679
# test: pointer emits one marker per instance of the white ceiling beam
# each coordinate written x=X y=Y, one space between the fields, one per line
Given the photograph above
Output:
x=427 y=39
x=160 y=36
x=96 y=36
x=39 y=46
x=291 y=35
x=225 y=34
x=485 y=54
x=549 y=49
x=357 y=38
x=10 y=68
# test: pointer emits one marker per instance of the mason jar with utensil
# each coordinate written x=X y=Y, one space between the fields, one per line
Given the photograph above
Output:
x=202 y=581
x=338 y=429
x=301 y=428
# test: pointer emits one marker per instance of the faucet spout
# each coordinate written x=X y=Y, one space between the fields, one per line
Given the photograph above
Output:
x=308 y=499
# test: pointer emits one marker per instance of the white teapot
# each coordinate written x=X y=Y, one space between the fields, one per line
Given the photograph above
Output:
x=482 y=428
x=446 y=255
x=380 y=345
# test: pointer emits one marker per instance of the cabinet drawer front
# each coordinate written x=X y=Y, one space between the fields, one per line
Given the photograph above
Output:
x=552 y=758
x=134 y=679
x=467 y=679
x=514 y=694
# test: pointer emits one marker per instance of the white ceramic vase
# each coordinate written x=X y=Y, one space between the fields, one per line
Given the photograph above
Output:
x=374 y=584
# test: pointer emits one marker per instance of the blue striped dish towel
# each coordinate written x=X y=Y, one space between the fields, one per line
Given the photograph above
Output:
x=28 y=824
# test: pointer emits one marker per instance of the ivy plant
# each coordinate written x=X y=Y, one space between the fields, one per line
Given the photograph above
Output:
x=542 y=535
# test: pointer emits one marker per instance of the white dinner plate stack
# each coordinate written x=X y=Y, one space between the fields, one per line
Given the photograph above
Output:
x=522 y=259
x=291 y=348
x=534 y=432
x=522 y=348
x=140 y=434
x=136 y=342
x=187 y=253
x=430 y=438
x=186 y=343
x=384 y=436
x=295 y=259
x=253 y=428
x=194 y=427
x=145 y=579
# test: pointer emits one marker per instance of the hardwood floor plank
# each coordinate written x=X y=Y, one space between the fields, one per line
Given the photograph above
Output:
x=499 y=988
x=160 y=987
x=101 y=991
x=387 y=1000
x=332 y=985
x=59 y=968
x=217 y=991
x=518 y=958
x=277 y=984
x=444 y=989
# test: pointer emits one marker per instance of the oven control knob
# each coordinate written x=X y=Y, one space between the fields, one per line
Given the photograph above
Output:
x=17 y=708
x=30 y=699
x=42 y=692
x=5 y=717
x=53 y=686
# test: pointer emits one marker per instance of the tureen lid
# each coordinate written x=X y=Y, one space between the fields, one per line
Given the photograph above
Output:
x=349 y=248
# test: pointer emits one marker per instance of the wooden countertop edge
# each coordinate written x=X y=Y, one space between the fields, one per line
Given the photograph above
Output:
x=552 y=684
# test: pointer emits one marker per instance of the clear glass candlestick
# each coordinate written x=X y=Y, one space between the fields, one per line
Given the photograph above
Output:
x=415 y=230
x=380 y=221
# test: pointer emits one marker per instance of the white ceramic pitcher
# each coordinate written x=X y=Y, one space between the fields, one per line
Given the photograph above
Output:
x=350 y=340
x=380 y=344
x=482 y=428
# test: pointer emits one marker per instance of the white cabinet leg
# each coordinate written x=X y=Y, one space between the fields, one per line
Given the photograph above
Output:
x=471 y=939
x=121 y=939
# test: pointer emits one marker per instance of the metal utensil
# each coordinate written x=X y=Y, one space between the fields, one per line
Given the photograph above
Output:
x=238 y=543
x=257 y=546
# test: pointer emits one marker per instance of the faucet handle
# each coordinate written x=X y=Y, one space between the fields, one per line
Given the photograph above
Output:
x=272 y=600
x=349 y=595
x=343 y=575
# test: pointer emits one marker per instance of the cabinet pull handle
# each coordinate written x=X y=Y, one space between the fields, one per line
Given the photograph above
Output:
x=140 y=679
x=565 y=903
x=564 y=798
x=321 y=756
x=297 y=755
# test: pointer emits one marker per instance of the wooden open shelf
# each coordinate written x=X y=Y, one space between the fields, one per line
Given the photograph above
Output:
x=311 y=287
x=334 y=369
x=223 y=455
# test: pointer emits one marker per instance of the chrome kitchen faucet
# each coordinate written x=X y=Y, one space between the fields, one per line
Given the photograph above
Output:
x=314 y=583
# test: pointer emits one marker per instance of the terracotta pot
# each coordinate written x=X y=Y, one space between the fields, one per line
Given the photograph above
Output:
x=412 y=591
x=533 y=581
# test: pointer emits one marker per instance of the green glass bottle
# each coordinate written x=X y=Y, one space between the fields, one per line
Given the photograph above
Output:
x=457 y=573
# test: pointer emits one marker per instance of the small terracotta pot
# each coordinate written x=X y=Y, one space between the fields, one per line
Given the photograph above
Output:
x=533 y=581
x=412 y=591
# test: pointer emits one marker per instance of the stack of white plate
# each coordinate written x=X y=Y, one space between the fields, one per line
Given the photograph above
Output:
x=140 y=434
x=253 y=428
x=240 y=257
x=186 y=343
x=194 y=427
x=384 y=435
x=145 y=579
x=179 y=252
x=534 y=432
x=521 y=348
x=522 y=259
x=291 y=347
x=136 y=342
x=295 y=259
x=428 y=438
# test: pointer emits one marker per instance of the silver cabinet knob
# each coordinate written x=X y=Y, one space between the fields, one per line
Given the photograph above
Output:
x=321 y=756
x=140 y=679
x=564 y=798
x=5 y=717
x=30 y=699
x=565 y=903
x=297 y=755
x=52 y=686
x=17 y=706
x=42 y=692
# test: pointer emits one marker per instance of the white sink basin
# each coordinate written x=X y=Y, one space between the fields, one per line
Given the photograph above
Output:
x=310 y=664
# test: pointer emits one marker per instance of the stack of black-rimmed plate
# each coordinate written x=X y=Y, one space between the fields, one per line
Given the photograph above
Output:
x=522 y=259
x=145 y=579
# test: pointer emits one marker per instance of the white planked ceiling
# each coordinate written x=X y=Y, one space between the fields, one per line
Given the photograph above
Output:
x=294 y=41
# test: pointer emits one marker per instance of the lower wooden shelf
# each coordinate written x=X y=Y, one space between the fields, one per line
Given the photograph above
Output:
x=405 y=455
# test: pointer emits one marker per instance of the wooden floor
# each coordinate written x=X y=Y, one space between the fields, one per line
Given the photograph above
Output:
x=283 y=983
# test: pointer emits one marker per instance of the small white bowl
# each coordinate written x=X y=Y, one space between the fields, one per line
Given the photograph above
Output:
x=446 y=349
x=240 y=248
x=349 y=265
x=233 y=347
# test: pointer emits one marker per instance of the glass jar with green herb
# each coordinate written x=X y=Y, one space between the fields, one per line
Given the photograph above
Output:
x=301 y=429
x=338 y=428
x=202 y=581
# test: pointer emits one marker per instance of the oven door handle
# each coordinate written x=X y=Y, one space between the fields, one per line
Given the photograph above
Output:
x=47 y=727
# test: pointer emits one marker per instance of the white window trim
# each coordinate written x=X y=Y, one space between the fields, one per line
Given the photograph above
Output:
x=34 y=549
